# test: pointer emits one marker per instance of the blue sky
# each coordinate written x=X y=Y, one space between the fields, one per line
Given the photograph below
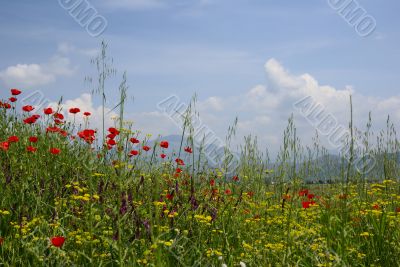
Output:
x=240 y=57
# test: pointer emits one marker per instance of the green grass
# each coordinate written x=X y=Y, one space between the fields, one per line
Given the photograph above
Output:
x=114 y=209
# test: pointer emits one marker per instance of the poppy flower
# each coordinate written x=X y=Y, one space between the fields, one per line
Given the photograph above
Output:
x=33 y=139
x=310 y=196
x=164 y=144
x=133 y=153
x=134 y=140
x=179 y=162
x=305 y=204
x=48 y=111
x=6 y=105
x=30 y=120
x=188 y=150
x=88 y=135
x=146 y=148
x=111 y=136
x=113 y=130
x=178 y=170
x=54 y=129
x=74 y=110
x=163 y=156
x=59 y=116
x=13 y=99
x=13 y=139
x=303 y=192
x=87 y=114
x=63 y=133
x=31 y=149
x=228 y=192
x=55 y=151
x=170 y=196
x=375 y=207
x=111 y=142
x=235 y=178
x=27 y=108
x=15 y=91
x=58 y=122
x=4 y=146
x=212 y=182
x=57 y=241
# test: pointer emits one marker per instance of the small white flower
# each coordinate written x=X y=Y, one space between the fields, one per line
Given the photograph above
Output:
x=220 y=258
x=224 y=265
x=242 y=264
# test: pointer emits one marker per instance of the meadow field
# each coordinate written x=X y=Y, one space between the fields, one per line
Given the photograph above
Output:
x=64 y=202
x=71 y=195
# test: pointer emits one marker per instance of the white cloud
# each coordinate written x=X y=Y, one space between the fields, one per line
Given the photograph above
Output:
x=26 y=75
x=31 y=75
x=264 y=109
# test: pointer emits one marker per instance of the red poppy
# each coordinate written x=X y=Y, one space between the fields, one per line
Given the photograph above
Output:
x=303 y=192
x=164 y=144
x=48 y=111
x=13 y=99
x=31 y=149
x=54 y=129
x=111 y=142
x=63 y=133
x=88 y=135
x=235 y=178
x=188 y=149
x=212 y=182
x=27 y=108
x=55 y=151
x=111 y=136
x=57 y=241
x=33 y=139
x=113 y=130
x=305 y=204
x=6 y=105
x=146 y=148
x=310 y=196
x=87 y=114
x=59 y=116
x=15 y=91
x=178 y=170
x=170 y=196
x=163 y=156
x=228 y=192
x=4 y=146
x=74 y=110
x=375 y=207
x=30 y=120
x=13 y=139
x=133 y=153
x=179 y=162
x=134 y=140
